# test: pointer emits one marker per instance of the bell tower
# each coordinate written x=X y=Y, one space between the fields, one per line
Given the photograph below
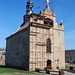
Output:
x=29 y=7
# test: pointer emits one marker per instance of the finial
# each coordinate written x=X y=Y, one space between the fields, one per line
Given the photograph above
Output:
x=47 y=2
x=61 y=21
x=47 y=6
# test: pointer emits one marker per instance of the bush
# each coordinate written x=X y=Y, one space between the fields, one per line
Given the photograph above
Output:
x=71 y=68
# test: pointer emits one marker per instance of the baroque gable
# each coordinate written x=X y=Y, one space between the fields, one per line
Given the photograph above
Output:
x=46 y=12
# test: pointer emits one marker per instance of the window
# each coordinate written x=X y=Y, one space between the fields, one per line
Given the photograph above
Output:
x=67 y=61
x=70 y=58
x=48 y=21
x=48 y=45
x=73 y=62
x=57 y=60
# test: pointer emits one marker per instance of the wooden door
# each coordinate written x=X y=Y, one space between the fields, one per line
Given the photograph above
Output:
x=49 y=64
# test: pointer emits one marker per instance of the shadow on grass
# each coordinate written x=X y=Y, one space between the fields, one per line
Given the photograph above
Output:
x=18 y=68
x=3 y=66
x=7 y=69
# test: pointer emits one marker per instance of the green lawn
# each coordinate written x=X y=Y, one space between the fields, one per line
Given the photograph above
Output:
x=67 y=67
x=10 y=70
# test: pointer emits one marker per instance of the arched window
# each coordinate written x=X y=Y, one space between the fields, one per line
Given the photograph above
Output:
x=48 y=47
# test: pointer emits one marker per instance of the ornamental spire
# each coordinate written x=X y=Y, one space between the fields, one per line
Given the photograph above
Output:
x=29 y=7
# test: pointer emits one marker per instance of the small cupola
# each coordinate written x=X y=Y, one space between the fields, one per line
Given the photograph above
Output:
x=29 y=7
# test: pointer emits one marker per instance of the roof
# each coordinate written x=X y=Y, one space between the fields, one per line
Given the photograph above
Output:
x=21 y=28
x=38 y=15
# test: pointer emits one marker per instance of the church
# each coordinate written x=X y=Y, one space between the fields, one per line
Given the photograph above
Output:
x=37 y=43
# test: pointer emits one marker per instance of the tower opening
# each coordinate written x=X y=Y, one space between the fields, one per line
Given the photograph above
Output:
x=48 y=21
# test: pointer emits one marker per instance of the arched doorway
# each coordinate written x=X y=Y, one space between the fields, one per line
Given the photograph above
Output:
x=49 y=64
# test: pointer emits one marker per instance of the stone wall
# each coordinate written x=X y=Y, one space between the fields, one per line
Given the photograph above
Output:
x=17 y=50
x=38 y=37
x=70 y=56
x=38 y=52
x=59 y=51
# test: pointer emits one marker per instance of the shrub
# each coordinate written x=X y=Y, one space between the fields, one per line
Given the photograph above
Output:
x=71 y=68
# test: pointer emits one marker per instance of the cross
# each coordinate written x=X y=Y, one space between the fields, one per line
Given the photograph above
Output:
x=62 y=21
x=47 y=2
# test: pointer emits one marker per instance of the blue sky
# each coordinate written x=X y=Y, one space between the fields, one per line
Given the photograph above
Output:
x=12 y=12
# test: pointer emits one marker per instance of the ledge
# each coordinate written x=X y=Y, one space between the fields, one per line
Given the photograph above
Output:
x=41 y=25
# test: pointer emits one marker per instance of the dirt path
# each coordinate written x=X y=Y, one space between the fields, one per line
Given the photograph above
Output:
x=19 y=74
x=16 y=73
x=69 y=72
x=12 y=74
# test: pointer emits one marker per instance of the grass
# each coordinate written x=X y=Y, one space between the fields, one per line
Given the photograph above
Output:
x=68 y=67
x=11 y=70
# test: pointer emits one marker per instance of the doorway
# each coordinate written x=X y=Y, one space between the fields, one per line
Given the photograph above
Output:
x=49 y=64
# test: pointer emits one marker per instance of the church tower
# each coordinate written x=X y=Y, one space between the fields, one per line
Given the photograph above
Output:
x=38 y=42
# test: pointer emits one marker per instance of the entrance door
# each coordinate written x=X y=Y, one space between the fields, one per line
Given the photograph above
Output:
x=49 y=64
